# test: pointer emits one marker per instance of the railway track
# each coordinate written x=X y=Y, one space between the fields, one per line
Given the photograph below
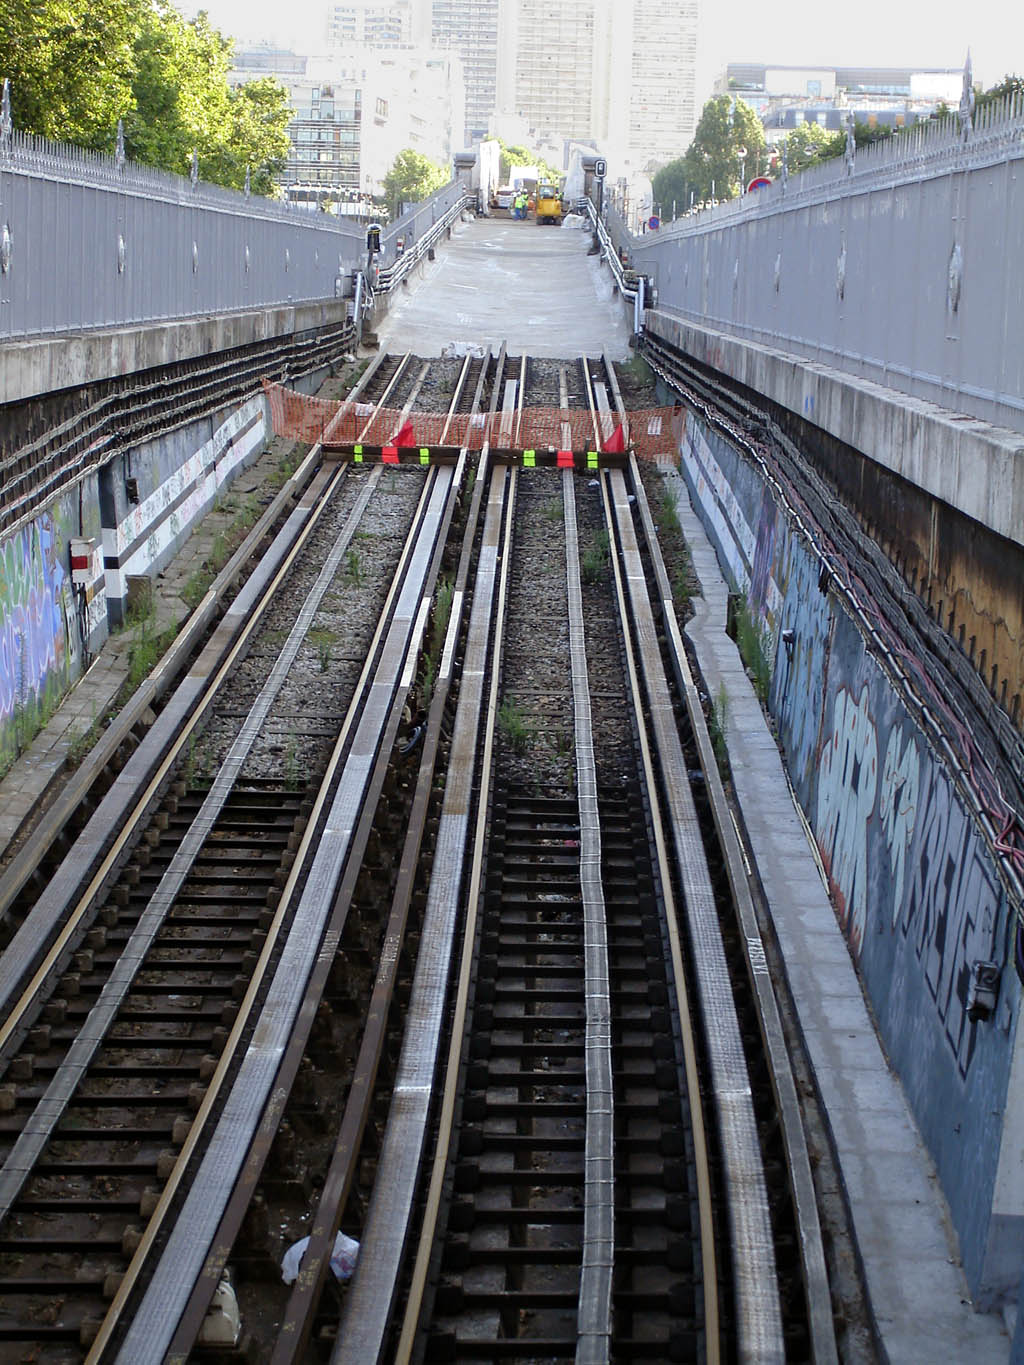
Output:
x=409 y=933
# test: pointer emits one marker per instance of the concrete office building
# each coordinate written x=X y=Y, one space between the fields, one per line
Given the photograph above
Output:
x=618 y=73
x=892 y=97
x=356 y=109
x=378 y=23
x=470 y=28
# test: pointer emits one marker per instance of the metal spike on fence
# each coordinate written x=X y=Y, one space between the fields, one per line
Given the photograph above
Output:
x=6 y=125
x=966 y=111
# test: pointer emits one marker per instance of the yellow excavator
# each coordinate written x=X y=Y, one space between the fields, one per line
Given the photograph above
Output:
x=548 y=202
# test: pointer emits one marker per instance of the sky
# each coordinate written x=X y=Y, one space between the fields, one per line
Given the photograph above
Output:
x=920 y=33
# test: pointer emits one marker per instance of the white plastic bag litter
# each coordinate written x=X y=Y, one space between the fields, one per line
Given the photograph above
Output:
x=343 y=1258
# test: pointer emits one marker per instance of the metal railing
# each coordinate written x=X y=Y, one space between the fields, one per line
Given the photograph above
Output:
x=896 y=264
x=89 y=241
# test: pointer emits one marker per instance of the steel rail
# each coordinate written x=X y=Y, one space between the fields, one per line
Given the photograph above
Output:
x=755 y=1284
x=368 y=1306
x=28 y=1147
x=684 y=1009
x=815 y=1276
x=294 y=1328
x=151 y=692
x=169 y=735
x=121 y=810
x=217 y=1080
x=326 y=848
x=594 y=1308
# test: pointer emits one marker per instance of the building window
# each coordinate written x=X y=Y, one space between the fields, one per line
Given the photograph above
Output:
x=382 y=108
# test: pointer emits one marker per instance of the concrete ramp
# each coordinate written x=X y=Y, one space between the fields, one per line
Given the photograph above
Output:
x=502 y=280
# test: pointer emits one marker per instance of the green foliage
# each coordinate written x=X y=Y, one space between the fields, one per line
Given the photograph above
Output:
x=715 y=160
x=429 y=678
x=808 y=144
x=412 y=177
x=148 y=647
x=443 y=599
x=512 y=155
x=196 y=588
x=77 y=66
x=670 y=186
x=717 y=725
x=1009 y=85
x=324 y=642
x=82 y=742
x=183 y=101
x=594 y=559
x=750 y=644
x=70 y=64
x=512 y=726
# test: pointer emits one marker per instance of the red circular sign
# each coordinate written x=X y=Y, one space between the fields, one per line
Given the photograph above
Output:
x=758 y=183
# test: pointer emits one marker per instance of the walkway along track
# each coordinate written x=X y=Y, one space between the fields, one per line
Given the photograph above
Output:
x=605 y=1031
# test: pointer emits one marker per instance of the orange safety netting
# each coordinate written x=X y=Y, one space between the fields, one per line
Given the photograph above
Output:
x=650 y=432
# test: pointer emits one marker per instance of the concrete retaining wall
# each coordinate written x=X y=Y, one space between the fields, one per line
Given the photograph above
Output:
x=64 y=575
x=912 y=881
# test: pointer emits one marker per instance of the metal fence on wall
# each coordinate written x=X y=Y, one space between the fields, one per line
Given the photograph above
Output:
x=90 y=241
x=899 y=264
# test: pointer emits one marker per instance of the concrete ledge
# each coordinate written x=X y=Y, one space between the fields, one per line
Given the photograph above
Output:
x=973 y=466
x=46 y=365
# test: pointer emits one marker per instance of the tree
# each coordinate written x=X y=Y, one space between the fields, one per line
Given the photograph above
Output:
x=670 y=186
x=412 y=177
x=729 y=145
x=1009 y=85
x=517 y=155
x=70 y=64
x=182 y=102
x=77 y=66
x=809 y=143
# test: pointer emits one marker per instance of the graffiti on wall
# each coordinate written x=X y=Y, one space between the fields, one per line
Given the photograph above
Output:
x=951 y=912
x=33 y=633
x=941 y=892
x=897 y=806
x=847 y=786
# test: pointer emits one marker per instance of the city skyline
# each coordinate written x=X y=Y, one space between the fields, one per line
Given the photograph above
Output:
x=923 y=33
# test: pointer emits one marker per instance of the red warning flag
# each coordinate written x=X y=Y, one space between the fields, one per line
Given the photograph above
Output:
x=616 y=442
x=406 y=436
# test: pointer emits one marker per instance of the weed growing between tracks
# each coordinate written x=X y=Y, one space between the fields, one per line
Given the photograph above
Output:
x=512 y=726
x=594 y=560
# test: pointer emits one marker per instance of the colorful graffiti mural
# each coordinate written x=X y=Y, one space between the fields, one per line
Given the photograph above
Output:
x=33 y=619
x=912 y=879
